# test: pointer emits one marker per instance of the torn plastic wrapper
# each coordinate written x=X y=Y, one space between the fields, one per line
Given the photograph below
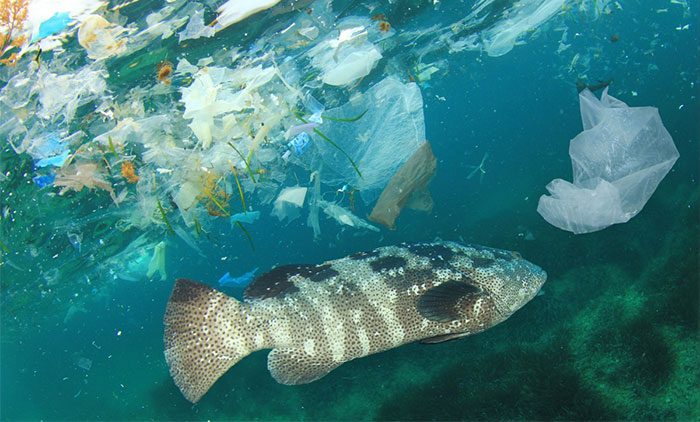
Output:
x=407 y=188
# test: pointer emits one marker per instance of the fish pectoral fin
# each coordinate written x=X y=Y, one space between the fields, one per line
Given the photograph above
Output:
x=293 y=366
x=442 y=338
x=444 y=302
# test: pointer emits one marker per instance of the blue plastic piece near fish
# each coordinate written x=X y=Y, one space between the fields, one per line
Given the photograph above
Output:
x=53 y=25
x=300 y=143
x=245 y=217
x=44 y=181
x=56 y=161
x=241 y=281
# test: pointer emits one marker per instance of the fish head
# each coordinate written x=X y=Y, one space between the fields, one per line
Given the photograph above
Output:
x=510 y=280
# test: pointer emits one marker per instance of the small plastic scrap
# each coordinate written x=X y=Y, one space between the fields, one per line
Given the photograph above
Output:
x=344 y=216
x=245 y=217
x=46 y=146
x=241 y=281
x=305 y=128
x=618 y=161
x=157 y=263
x=407 y=188
x=236 y=10
x=76 y=240
x=288 y=203
x=53 y=25
x=56 y=161
x=300 y=143
x=196 y=29
x=345 y=57
x=100 y=38
x=44 y=181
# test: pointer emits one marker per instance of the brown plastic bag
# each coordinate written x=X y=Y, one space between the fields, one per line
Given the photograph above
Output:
x=407 y=188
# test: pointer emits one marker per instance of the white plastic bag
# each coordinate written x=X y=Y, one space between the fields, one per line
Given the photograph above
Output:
x=618 y=161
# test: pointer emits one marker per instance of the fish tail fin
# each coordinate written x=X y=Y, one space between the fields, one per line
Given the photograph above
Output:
x=201 y=342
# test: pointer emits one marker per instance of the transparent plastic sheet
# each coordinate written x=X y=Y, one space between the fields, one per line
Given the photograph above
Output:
x=618 y=161
x=345 y=55
x=385 y=137
x=343 y=216
x=289 y=202
x=501 y=38
x=157 y=263
x=407 y=188
x=63 y=94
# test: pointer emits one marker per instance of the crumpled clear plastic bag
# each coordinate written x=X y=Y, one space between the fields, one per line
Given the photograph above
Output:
x=618 y=161
x=380 y=142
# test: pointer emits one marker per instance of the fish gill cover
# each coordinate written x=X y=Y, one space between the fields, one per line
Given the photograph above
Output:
x=142 y=141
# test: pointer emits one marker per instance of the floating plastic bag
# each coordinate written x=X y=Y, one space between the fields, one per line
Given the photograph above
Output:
x=345 y=57
x=618 y=161
x=407 y=188
x=386 y=136
x=288 y=203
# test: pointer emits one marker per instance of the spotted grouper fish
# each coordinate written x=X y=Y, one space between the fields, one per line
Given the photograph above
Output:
x=316 y=317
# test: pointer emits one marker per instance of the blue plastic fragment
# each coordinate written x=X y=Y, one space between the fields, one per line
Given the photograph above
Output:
x=245 y=217
x=44 y=181
x=56 y=161
x=240 y=281
x=48 y=148
x=299 y=143
x=53 y=25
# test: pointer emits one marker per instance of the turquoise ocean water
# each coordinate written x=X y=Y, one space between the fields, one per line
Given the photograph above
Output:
x=614 y=336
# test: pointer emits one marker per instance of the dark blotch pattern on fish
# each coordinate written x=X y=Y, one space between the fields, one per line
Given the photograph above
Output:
x=321 y=272
x=480 y=262
x=387 y=263
x=274 y=283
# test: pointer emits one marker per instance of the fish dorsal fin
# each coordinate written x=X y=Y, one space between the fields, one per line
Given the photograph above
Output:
x=442 y=303
x=442 y=338
x=292 y=366
x=277 y=282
